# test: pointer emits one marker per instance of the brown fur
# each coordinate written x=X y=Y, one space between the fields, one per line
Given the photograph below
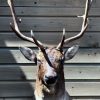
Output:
x=56 y=92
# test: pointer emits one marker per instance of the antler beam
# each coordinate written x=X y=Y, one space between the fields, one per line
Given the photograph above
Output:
x=84 y=25
x=15 y=27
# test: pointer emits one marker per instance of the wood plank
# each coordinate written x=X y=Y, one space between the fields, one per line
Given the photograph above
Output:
x=83 y=88
x=83 y=56
x=65 y=3
x=50 y=24
x=19 y=98
x=87 y=98
x=9 y=39
x=82 y=98
x=48 y=11
x=13 y=89
x=82 y=72
x=74 y=98
x=29 y=72
x=26 y=89
x=17 y=72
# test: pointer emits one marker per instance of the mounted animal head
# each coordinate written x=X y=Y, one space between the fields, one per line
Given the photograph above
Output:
x=49 y=60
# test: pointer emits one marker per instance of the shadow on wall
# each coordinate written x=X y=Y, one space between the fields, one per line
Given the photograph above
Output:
x=14 y=84
x=13 y=81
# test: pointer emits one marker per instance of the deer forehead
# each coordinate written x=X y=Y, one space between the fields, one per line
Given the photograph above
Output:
x=52 y=54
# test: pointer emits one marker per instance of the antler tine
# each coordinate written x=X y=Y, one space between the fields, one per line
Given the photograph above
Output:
x=37 y=42
x=84 y=24
x=41 y=48
x=15 y=27
x=87 y=8
x=60 y=45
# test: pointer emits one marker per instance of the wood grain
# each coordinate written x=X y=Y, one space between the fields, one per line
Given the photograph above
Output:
x=50 y=24
x=9 y=39
x=56 y=3
x=15 y=56
x=72 y=72
x=49 y=11
x=23 y=89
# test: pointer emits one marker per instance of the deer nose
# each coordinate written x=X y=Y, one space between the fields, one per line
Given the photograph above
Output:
x=50 y=79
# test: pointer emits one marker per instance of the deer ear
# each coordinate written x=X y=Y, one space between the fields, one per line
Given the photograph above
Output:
x=70 y=53
x=28 y=53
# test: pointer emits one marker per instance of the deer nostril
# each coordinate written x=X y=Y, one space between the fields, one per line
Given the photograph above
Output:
x=50 y=79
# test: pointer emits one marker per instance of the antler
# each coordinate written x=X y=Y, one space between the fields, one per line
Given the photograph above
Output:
x=84 y=25
x=41 y=48
x=15 y=27
x=60 y=45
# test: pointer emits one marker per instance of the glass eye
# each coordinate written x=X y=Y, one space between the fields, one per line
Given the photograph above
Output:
x=39 y=61
x=58 y=60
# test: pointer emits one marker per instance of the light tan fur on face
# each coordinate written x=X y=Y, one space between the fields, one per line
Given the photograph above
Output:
x=54 y=57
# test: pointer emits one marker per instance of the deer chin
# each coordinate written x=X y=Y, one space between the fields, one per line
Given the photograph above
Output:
x=49 y=88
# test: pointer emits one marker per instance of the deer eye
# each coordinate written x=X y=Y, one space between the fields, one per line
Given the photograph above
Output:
x=39 y=61
x=58 y=60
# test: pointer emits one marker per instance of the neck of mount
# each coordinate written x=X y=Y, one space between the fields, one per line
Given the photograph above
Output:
x=60 y=86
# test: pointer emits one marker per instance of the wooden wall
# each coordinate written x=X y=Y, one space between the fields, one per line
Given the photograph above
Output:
x=47 y=18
